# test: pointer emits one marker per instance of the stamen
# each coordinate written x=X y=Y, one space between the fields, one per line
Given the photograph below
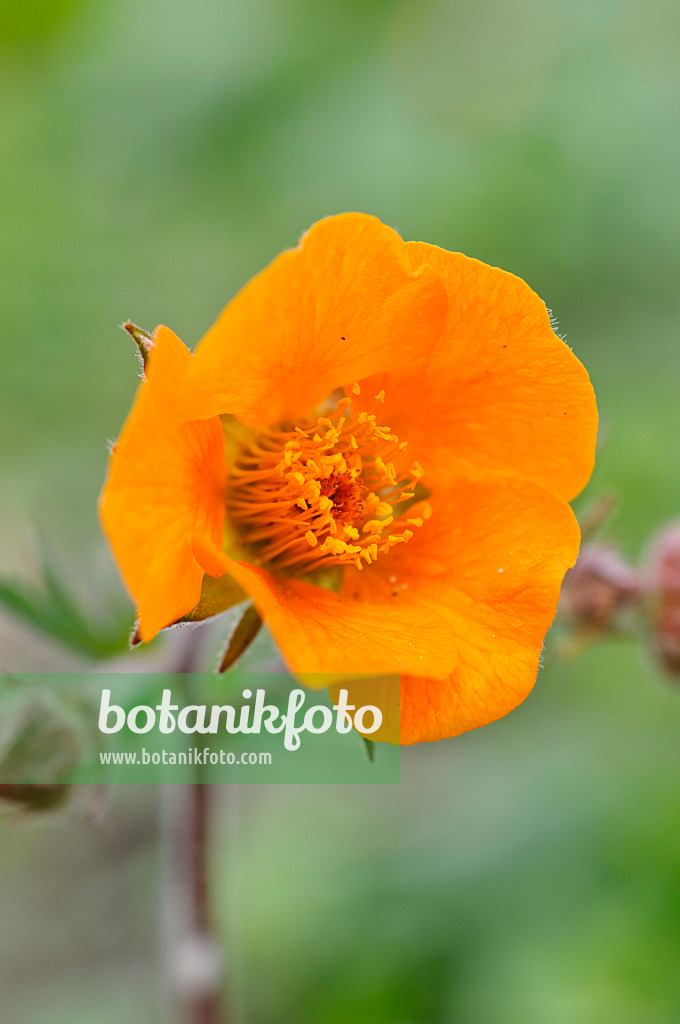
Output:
x=323 y=491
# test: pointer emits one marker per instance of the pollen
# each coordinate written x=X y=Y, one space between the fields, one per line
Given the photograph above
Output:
x=330 y=490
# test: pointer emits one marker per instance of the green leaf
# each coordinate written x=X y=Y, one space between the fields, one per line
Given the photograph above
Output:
x=53 y=612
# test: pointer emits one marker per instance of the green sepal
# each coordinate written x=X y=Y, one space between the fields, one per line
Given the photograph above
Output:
x=217 y=595
x=142 y=339
x=369 y=747
x=245 y=631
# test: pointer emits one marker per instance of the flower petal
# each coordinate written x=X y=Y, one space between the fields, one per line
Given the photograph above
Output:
x=164 y=496
x=490 y=561
x=500 y=391
x=346 y=303
x=318 y=632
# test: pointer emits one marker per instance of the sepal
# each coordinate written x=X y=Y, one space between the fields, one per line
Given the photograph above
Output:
x=245 y=631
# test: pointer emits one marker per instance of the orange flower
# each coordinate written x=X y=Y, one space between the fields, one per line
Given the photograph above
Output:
x=376 y=442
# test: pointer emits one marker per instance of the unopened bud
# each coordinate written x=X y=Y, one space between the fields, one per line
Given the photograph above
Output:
x=598 y=590
x=662 y=572
x=41 y=745
x=662 y=582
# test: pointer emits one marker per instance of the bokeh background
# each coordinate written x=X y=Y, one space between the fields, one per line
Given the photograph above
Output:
x=155 y=154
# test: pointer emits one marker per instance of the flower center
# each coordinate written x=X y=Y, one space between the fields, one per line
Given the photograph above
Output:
x=333 y=490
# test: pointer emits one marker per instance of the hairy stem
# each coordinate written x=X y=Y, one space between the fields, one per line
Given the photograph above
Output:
x=193 y=952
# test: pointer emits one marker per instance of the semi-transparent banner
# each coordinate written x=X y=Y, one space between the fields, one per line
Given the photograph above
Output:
x=147 y=728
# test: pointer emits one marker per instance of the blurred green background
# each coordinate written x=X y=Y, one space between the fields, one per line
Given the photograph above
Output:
x=157 y=153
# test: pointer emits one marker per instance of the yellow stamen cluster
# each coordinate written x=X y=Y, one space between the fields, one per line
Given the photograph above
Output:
x=323 y=492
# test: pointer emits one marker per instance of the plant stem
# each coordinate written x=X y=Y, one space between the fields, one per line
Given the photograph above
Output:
x=193 y=953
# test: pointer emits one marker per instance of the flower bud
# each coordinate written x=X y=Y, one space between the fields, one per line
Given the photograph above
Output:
x=598 y=590
x=662 y=572
x=41 y=745
x=662 y=582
